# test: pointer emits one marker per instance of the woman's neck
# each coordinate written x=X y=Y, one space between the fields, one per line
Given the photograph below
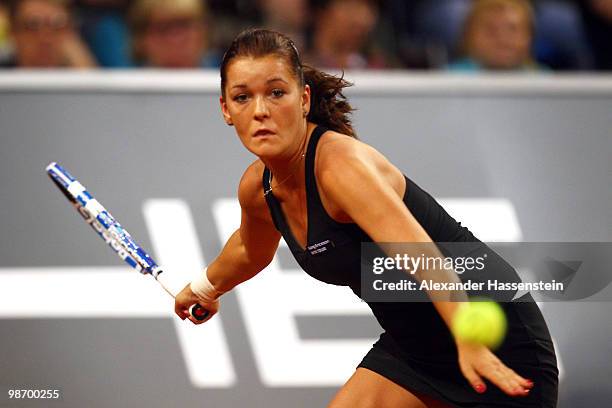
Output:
x=288 y=172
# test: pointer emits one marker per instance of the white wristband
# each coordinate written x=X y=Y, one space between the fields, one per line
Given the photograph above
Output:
x=203 y=289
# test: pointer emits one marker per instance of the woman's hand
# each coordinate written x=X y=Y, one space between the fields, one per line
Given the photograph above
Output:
x=478 y=362
x=186 y=298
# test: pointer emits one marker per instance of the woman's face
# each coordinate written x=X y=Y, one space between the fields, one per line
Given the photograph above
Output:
x=501 y=38
x=350 y=23
x=41 y=30
x=266 y=104
x=174 y=40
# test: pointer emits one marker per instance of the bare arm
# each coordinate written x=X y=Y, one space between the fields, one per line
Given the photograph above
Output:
x=358 y=174
x=248 y=251
x=350 y=175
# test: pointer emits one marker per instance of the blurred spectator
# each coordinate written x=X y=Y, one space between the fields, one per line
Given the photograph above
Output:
x=341 y=30
x=5 y=43
x=597 y=15
x=497 y=36
x=104 y=29
x=171 y=34
x=428 y=32
x=289 y=17
x=352 y=34
x=44 y=36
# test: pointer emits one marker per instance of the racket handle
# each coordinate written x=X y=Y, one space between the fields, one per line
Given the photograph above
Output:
x=198 y=312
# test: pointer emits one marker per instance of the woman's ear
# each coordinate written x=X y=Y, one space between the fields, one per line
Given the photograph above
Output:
x=306 y=100
x=226 y=116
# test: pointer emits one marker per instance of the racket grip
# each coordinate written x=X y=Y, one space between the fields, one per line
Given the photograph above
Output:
x=198 y=312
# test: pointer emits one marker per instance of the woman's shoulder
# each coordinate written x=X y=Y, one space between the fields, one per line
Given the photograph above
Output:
x=250 y=189
x=337 y=150
x=341 y=157
x=338 y=146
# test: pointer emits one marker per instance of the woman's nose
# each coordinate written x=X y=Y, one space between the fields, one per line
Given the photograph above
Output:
x=261 y=108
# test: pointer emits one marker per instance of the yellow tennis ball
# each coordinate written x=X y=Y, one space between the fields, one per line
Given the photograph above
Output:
x=482 y=322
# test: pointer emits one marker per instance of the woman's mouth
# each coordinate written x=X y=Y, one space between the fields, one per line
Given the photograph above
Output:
x=263 y=132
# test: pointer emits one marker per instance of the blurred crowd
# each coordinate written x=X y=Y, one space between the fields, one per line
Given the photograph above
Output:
x=459 y=35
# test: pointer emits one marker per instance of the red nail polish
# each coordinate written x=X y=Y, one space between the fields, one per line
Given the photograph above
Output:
x=529 y=382
x=480 y=388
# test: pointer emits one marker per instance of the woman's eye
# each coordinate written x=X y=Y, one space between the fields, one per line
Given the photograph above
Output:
x=277 y=93
x=240 y=98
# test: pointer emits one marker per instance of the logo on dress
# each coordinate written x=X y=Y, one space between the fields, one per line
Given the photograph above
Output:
x=320 y=247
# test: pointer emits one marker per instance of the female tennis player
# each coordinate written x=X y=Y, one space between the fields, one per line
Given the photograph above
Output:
x=314 y=182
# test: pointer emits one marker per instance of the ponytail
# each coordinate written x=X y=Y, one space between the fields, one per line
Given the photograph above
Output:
x=328 y=105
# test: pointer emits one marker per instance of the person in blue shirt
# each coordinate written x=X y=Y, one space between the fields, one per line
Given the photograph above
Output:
x=498 y=35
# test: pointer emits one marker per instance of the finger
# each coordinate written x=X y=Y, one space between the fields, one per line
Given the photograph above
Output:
x=180 y=312
x=520 y=385
x=503 y=378
x=494 y=372
x=473 y=378
x=516 y=385
x=523 y=382
x=515 y=389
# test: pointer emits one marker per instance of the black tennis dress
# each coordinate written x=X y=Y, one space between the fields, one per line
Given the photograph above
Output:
x=416 y=349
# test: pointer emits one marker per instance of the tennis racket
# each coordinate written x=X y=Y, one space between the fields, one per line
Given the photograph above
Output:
x=107 y=227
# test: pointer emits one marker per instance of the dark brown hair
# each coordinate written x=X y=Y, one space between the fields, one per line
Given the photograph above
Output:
x=328 y=105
